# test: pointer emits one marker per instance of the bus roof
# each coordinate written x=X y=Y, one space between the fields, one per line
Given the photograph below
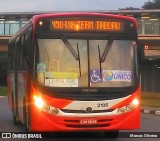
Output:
x=35 y=18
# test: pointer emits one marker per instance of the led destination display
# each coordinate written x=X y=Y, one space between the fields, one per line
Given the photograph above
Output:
x=87 y=25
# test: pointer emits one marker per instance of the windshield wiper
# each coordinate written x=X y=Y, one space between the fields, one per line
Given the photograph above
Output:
x=71 y=49
x=79 y=60
x=100 y=65
x=107 y=48
x=69 y=46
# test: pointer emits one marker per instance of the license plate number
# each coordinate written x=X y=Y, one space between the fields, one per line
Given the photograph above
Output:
x=88 y=121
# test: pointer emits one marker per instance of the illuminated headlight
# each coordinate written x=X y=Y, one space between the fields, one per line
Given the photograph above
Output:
x=38 y=101
x=40 y=104
x=129 y=107
x=135 y=102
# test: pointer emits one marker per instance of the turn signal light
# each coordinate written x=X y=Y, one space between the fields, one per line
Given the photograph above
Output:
x=40 y=23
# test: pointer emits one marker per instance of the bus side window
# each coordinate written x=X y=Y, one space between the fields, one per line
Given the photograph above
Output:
x=27 y=51
x=12 y=55
x=19 y=54
x=25 y=65
x=9 y=56
x=15 y=55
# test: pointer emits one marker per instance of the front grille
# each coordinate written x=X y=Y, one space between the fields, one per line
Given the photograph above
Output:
x=104 y=120
x=83 y=111
x=71 y=121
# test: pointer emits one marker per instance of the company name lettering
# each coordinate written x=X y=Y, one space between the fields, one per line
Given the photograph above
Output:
x=116 y=75
x=121 y=75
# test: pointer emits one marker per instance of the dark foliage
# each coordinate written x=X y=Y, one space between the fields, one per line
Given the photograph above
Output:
x=154 y=4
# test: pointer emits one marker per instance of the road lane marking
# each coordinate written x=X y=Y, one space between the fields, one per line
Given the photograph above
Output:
x=157 y=112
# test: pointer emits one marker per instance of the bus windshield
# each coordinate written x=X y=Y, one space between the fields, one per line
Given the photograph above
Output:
x=96 y=65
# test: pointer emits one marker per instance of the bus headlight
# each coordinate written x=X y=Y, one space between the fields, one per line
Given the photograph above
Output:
x=55 y=111
x=50 y=110
x=121 y=110
x=128 y=107
x=46 y=108
x=38 y=101
x=125 y=109
x=135 y=102
x=40 y=104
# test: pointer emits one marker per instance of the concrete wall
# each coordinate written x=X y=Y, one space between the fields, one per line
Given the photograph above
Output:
x=150 y=78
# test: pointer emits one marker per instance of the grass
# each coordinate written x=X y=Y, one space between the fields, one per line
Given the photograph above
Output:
x=3 y=91
x=150 y=99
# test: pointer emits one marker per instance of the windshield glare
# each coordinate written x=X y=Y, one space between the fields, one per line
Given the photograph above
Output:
x=57 y=66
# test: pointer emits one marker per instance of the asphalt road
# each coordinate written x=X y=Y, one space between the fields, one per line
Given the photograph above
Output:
x=149 y=123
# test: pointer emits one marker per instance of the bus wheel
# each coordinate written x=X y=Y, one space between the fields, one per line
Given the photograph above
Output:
x=112 y=134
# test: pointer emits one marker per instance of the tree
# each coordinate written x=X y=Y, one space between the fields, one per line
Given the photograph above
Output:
x=154 y=4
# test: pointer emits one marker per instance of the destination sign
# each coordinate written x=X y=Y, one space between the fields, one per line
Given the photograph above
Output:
x=87 y=25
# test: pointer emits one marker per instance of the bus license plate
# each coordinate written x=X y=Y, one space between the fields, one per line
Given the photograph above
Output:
x=90 y=121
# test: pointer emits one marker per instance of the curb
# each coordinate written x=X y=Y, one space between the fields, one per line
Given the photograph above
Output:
x=155 y=112
x=3 y=96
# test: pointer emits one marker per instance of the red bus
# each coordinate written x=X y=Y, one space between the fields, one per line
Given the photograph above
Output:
x=75 y=72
